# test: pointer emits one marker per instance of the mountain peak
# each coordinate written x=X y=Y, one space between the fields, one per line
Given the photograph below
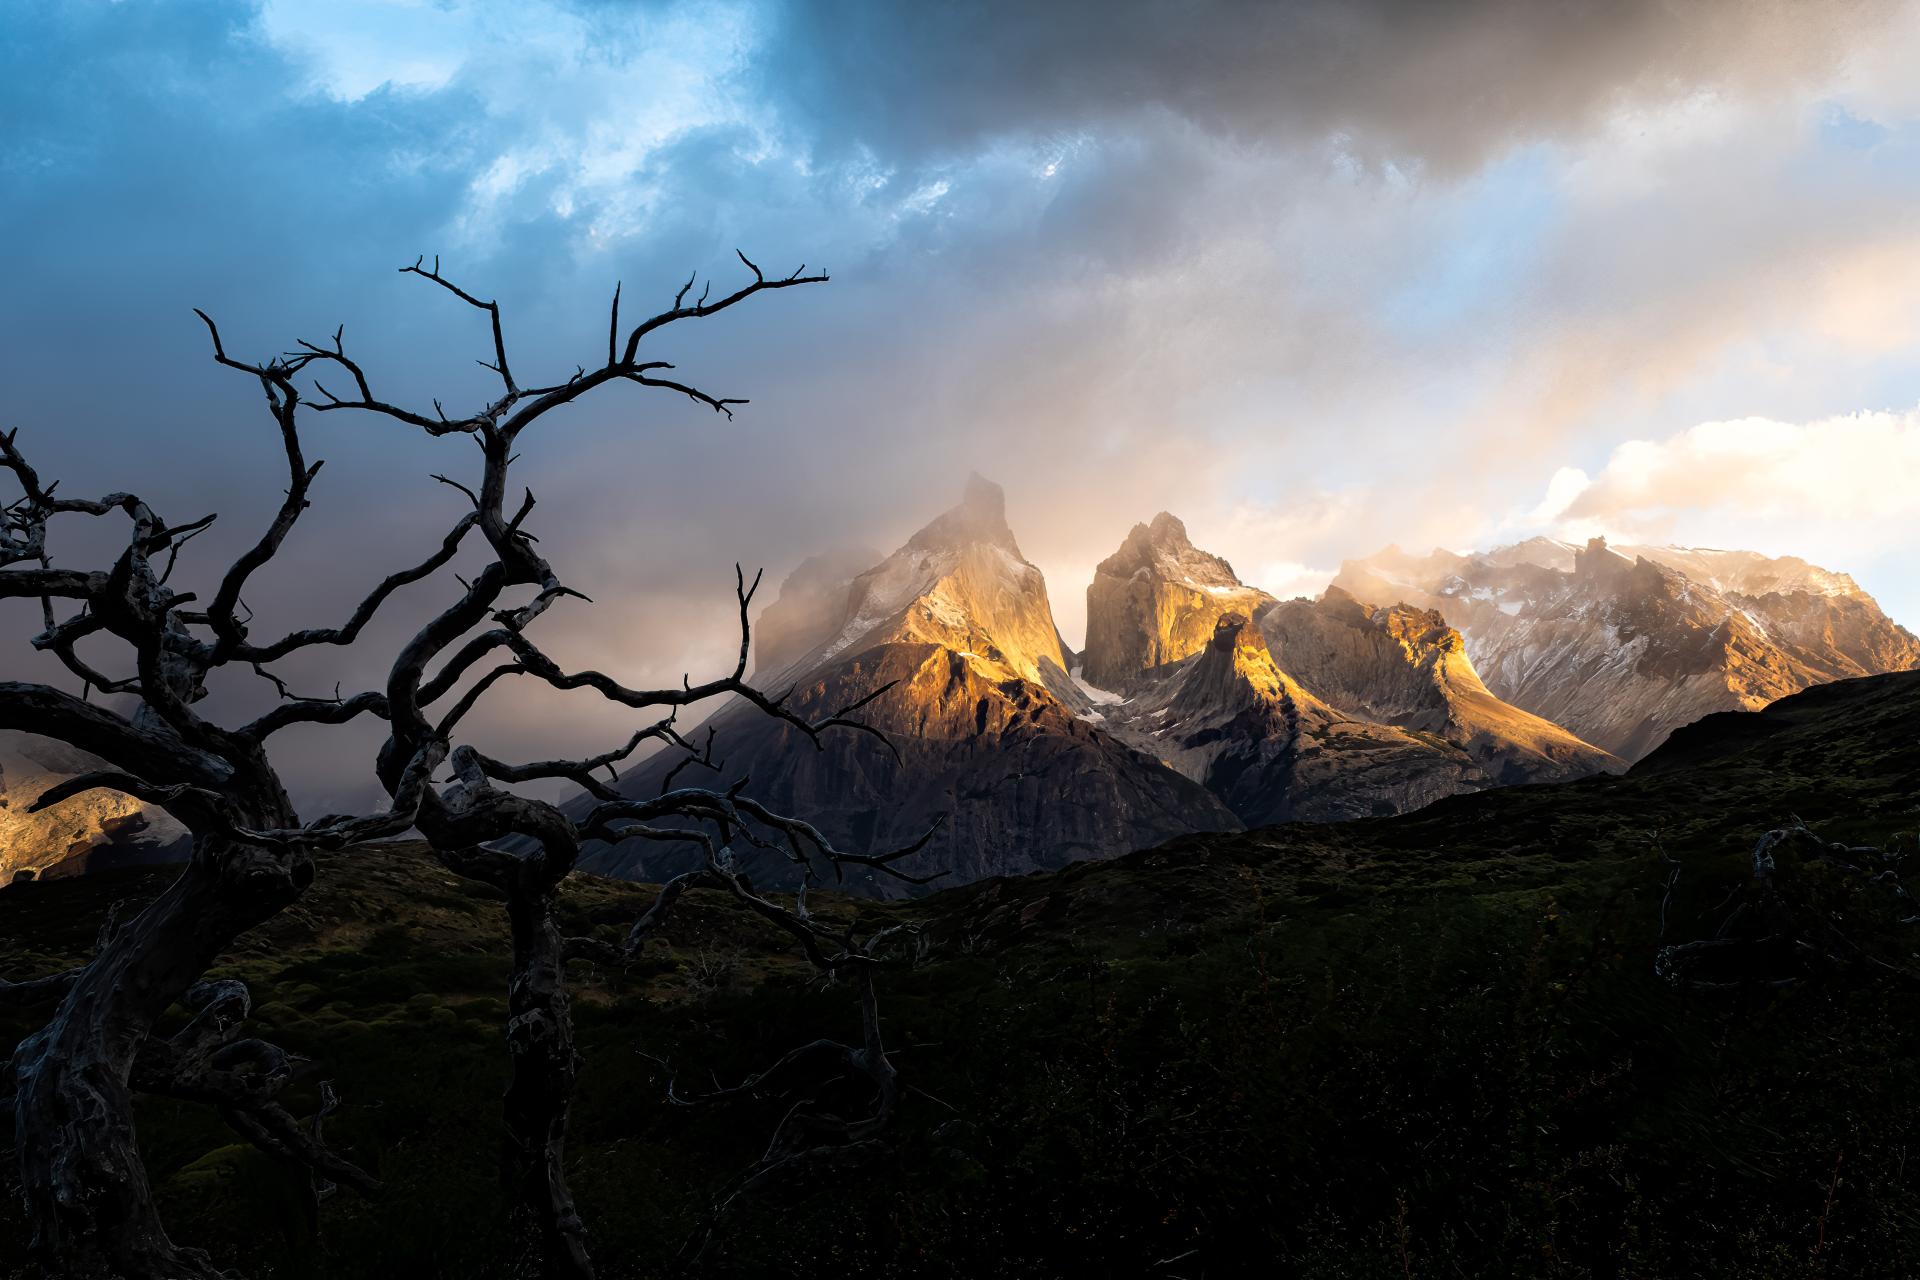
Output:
x=1402 y=665
x=959 y=583
x=1712 y=629
x=1167 y=528
x=1156 y=600
x=981 y=516
x=984 y=496
x=1235 y=665
x=1161 y=549
x=1597 y=558
x=1339 y=602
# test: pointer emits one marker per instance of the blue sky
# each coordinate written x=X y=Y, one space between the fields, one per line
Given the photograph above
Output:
x=1315 y=277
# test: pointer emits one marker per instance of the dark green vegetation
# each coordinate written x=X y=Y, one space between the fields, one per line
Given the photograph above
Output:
x=1432 y=1045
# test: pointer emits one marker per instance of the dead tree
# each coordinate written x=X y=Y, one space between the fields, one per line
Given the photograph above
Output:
x=85 y=1189
x=70 y=1083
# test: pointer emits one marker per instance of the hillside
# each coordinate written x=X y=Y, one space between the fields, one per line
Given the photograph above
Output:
x=1425 y=1045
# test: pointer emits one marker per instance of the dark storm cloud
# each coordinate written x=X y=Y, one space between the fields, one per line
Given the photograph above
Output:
x=1441 y=83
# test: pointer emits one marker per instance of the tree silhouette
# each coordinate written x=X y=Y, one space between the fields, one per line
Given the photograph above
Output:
x=68 y=1087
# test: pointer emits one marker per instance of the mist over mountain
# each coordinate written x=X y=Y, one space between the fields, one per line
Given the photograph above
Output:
x=808 y=610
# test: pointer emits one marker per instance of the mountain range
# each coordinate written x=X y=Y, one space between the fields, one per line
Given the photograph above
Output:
x=989 y=732
x=1623 y=645
x=1200 y=703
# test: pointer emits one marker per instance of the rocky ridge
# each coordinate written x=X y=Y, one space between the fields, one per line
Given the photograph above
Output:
x=1272 y=750
x=1623 y=645
x=1404 y=666
x=1299 y=710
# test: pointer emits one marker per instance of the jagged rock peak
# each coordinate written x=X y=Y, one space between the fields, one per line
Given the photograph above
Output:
x=1622 y=643
x=1235 y=666
x=1338 y=602
x=1597 y=558
x=1416 y=631
x=1155 y=601
x=980 y=517
x=1161 y=548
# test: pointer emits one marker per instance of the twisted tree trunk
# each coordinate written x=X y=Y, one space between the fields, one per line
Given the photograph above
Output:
x=545 y=1065
x=84 y=1186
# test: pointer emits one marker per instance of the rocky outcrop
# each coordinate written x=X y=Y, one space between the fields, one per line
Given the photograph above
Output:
x=1623 y=645
x=91 y=831
x=958 y=622
x=1154 y=602
x=1273 y=751
x=1404 y=666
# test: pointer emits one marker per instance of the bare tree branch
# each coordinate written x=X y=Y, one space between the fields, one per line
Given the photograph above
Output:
x=364 y=612
x=491 y=308
x=253 y=852
x=679 y=312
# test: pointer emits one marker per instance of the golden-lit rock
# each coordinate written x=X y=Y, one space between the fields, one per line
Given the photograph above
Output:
x=1155 y=601
x=92 y=829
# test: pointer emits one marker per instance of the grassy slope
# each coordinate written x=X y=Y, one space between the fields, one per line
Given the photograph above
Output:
x=1420 y=1046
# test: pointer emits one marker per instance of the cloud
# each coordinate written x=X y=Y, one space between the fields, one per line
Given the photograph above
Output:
x=1859 y=469
x=1444 y=85
x=1315 y=277
x=1842 y=491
